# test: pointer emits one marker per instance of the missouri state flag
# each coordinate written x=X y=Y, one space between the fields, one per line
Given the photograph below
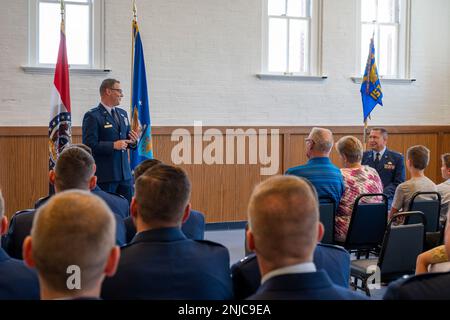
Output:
x=59 y=129
x=371 y=87
x=140 y=113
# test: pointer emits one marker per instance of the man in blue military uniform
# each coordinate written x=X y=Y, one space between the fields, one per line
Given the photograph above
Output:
x=106 y=130
x=389 y=164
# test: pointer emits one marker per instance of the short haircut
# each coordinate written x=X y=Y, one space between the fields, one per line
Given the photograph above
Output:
x=323 y=139
x=2 y=205
x=382 y=130
x=73 y=169
x=419 y=156
x=74 y=228
x=79 y=145
x=144 y=166
x=351 y=148
x=162 y=193
x=283 y=215
x=446 y=160
x=107 y=84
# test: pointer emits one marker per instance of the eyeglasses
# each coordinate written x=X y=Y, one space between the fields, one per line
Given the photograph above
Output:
x=118 y=90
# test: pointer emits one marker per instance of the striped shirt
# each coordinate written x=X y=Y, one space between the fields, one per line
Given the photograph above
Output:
x=325 y=177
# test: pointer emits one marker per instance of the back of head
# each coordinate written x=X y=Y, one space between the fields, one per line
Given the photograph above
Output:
x=162 y=193
x=79 y=145
x=144 y=166
x=419 y=156
x=283 y=215
x=74 y=228
x=73 y=169
x=323 y=140
x=351 y=148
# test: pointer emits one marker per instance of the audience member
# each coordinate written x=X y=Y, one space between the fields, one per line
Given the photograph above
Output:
x=325 y=177
x=17 y=281
x=389 y=164
x=74 y=169
x=417 y=158
x=284 y=229
x=428 y=286
x=335 y=260
x=72 y=246
x=429 y=258
x=193 y=227
x=444 y=188
x=161 y=262
x=358 y=179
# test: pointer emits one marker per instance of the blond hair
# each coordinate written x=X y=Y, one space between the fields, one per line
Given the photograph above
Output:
x=283 y=215
x=72 y=228
x=351 y=148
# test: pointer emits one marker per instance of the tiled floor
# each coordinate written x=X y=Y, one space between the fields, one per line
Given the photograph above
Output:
x=234 y=241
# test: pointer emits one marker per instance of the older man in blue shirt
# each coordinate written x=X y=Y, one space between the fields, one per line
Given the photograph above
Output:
x=325 y=176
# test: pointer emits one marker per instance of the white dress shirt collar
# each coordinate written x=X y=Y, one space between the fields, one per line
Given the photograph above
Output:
x=306 y=267
x=381 y=153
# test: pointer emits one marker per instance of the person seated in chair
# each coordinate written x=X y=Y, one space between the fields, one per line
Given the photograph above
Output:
x=75 y=169
x=161 y=262
x=284 y=229
x=431 y=257
x=17 y=281
x=193 y=227
x=358 y=179
x=72 y=246
x=417 y=159
x=444 y=188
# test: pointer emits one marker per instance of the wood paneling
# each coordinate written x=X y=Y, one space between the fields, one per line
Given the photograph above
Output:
x=220 y=190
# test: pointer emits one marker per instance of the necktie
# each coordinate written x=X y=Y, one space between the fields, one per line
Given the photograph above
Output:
x=377 y=158
x=115 y=117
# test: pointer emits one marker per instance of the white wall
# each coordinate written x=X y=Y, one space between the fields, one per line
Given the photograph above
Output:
x=202 y=57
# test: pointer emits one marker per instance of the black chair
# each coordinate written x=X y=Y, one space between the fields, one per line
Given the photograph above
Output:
x=367 y=225
x=431 y=208
x=327 y=211
x=401 y=246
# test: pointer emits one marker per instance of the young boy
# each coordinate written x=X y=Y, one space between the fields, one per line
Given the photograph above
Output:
x=417 y=159
x=444 y=188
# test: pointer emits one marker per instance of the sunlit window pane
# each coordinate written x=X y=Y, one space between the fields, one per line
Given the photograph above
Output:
x=368 y=10
x=298 y=8
x=387 y=11
x=77 y=24
x=277 y=7
x=388 y=50
x=49 y=32
x=277 y=45
x=298 y=46
x=77 y=30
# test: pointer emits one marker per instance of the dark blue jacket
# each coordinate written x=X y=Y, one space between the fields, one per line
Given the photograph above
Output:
x=21 y=223
x=193 y=227
x=428 y=286
x=391 y=170
x=164 y=264
x=17 y=281
x=99 y=133
x=303 y=286
x=334 y=260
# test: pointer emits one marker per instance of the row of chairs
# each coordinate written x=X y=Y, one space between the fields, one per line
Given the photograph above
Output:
x=396 y=247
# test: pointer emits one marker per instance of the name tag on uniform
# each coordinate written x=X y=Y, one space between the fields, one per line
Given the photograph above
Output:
x=108 y=125
x=389 y=166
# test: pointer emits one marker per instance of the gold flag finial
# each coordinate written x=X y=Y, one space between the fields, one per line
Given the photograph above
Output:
x=134 y=10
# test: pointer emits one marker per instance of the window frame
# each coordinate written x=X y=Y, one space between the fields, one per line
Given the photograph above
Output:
x=403 y=42
x=314 y=65
x=96 y=36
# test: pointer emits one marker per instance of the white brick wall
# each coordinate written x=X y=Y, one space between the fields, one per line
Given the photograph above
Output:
x=202 y=57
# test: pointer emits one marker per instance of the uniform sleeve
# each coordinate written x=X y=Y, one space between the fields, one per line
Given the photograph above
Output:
x=399 y=177
x=91 y=136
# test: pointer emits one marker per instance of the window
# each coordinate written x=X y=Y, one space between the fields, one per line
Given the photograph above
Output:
x=388 y=21
x=83 y=25
x=291 y=37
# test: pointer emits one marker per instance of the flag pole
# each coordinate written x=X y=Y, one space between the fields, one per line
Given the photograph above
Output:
x=132 y=60
x=63 y=13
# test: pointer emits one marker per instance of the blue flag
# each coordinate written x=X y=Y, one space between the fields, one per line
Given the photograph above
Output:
x=371 y=88
x=140 y=112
